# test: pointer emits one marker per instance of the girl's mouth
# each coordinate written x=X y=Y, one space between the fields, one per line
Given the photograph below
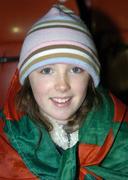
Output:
x=61 y=101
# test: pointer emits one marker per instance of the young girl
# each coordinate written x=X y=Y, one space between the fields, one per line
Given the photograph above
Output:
x=57 y=124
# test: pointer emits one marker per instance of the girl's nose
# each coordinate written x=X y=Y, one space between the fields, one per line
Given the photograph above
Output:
x=62 y=83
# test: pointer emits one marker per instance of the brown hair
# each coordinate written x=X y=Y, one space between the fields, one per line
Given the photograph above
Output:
x=25 y=102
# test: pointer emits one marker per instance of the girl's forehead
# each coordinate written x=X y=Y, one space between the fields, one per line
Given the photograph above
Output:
x=61 y=64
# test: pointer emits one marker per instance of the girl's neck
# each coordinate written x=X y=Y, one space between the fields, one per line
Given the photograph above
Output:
x=59 y=136
x=54 y=121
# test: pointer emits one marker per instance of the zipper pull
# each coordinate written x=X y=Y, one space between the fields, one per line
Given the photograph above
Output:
x=69 y=139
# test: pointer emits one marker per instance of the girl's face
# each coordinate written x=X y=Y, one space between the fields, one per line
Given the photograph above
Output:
x=59 y=89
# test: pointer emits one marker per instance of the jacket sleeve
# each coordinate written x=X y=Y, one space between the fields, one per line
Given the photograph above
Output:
x=115 y=164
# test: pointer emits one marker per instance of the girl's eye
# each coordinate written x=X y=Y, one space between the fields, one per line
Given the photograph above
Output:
x=77 y=70
x=46 y=70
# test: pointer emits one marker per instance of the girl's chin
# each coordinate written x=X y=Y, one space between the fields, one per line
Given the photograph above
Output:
x=55 y=118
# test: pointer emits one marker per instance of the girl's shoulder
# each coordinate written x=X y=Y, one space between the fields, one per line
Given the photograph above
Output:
x=114 y=105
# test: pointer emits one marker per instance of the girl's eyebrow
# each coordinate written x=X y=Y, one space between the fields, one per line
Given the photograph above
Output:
x=46 y=66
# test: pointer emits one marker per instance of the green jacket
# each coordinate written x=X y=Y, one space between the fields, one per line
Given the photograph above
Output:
x=28 y=152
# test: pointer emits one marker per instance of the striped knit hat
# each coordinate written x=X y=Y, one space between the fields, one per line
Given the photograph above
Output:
x=59 y=37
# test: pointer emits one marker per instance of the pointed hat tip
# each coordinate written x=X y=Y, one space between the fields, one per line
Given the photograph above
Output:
x=62 y=1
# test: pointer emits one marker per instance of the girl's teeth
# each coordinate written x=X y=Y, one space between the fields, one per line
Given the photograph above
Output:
x=59 y=100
